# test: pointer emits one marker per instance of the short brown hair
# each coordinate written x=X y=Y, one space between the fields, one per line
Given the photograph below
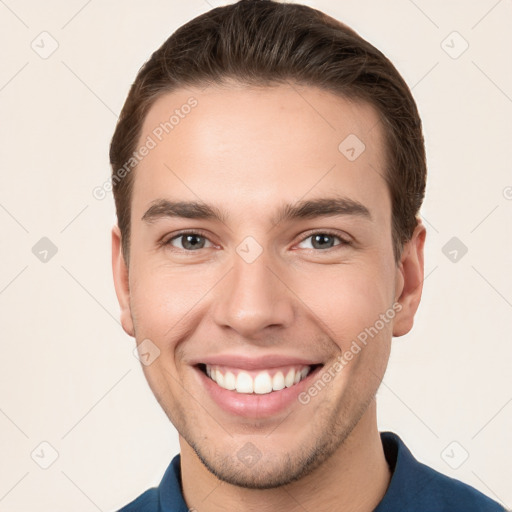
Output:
x=264 y=43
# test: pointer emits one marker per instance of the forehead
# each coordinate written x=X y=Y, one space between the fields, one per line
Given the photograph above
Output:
x=264 y=144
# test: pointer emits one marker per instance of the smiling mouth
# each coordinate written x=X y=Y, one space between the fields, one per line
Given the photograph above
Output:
x=260 y=382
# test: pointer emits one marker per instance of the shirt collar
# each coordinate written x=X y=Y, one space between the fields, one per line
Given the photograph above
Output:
x=404 y=478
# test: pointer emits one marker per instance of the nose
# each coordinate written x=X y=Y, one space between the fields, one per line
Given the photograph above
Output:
x=253 y=299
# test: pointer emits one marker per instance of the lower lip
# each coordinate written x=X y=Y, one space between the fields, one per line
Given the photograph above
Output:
x=254 y=405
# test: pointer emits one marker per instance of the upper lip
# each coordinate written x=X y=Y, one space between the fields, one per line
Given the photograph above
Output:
x=254 y=363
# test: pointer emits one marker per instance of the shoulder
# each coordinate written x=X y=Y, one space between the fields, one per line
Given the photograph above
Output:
x=146 y=502
x=448 y=494
x=167 y=497
x=415 y=486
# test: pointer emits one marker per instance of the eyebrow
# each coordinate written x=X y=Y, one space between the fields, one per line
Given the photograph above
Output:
x=321 y=207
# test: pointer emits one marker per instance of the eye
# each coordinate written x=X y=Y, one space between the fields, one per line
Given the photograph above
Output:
x=323 y=240
x=189 y=241
x=192 y=241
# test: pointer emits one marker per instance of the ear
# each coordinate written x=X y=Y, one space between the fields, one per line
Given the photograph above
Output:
x=121 y=281
x=409 y=281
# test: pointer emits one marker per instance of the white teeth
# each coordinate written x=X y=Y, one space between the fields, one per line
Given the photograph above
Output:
x=244 y=383
x=229 y=381
x=278 y=381
x=290 y=377
x=219 y=378
x=262 y=383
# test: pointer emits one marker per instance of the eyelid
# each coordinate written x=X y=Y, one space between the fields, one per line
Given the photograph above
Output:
x=344 y=240
x=165 y=240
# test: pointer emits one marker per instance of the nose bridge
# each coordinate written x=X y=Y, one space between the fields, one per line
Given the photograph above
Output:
x=252 y=297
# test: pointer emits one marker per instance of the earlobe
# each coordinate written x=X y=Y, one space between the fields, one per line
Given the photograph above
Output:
x=409 y=280
x=121 y=281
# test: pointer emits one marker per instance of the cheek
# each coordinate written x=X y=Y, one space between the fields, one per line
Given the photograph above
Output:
x=164 y=299
x=347 y=299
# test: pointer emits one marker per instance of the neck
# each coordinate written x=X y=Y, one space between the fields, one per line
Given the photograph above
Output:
x=354 y=479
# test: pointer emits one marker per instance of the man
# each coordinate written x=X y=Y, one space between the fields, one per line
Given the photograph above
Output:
x=268 y=170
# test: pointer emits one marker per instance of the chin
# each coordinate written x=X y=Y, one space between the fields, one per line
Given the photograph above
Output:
x=263 y=474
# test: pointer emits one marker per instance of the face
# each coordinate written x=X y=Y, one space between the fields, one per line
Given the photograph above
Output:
x=260 y=253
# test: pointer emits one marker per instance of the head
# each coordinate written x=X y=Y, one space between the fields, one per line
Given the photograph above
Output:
x=290 y=152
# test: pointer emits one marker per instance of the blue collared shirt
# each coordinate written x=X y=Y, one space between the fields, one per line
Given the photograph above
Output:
x=414 y=487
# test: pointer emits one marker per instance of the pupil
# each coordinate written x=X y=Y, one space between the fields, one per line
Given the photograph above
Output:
x=322 y=241
x=191 y=242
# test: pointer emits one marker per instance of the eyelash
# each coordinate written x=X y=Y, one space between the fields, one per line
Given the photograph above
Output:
x=343 y=242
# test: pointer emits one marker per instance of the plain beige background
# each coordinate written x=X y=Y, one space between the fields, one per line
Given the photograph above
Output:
x=68 y=375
